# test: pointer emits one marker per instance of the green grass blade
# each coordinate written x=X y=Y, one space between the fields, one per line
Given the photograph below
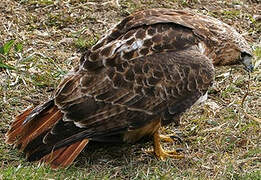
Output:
x=5 y=66
x=5 y=49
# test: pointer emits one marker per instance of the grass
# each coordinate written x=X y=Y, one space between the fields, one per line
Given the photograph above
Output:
x=42 y=41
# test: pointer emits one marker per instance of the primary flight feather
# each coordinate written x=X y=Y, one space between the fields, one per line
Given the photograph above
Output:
x=143 y=74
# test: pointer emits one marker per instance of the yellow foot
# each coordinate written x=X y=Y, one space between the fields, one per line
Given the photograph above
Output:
x=165 y=138
x=159 y=152
x=169 y=138
x=162 y=154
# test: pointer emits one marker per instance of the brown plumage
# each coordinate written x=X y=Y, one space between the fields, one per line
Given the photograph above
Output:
x=144 y=73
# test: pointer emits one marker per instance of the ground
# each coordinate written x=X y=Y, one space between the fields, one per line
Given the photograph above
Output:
x=41 y=40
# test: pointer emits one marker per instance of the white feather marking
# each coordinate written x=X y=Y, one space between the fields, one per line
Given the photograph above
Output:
x=202 y=99
x=136 y=45
x=65 y=119
x=202 y=47
x=78 y=124
x=126 y=48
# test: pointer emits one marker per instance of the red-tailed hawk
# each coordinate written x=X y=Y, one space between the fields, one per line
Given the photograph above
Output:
x=145 y=73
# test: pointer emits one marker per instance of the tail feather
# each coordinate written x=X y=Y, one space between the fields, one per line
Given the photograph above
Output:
x=29 y=129
x=34 y=145
x=64 y=157
x=35 y=128
x=16 y=127
x=53 y=155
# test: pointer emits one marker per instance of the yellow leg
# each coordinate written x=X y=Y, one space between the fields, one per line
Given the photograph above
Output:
x=166 y=138
x=160 y=152
x=170 y=138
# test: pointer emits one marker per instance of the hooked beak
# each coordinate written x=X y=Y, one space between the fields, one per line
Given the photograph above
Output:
x=247 y=62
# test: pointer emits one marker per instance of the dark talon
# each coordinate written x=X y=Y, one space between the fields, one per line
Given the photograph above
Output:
x=178 y=150
x=177 y=137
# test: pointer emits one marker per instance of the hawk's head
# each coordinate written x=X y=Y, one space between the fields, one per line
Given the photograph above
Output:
x=227 y=46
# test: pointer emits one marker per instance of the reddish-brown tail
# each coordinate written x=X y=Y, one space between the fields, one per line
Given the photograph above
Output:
x=17 y=127
x=64 y=157
x=32 y=124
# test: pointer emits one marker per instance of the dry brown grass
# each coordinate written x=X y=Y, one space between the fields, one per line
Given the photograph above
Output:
x=220 y=140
